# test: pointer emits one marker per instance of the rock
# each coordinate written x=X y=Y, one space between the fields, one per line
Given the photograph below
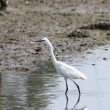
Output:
x=104 y=58
x=93 y=64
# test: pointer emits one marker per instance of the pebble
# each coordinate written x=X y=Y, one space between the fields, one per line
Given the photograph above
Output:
x=104 y=58
x=93 y=64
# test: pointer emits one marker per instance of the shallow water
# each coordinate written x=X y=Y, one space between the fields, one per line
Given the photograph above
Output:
x=44 y=89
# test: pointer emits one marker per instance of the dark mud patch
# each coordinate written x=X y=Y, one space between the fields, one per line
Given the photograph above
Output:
x=79 y=34
x=104 y=25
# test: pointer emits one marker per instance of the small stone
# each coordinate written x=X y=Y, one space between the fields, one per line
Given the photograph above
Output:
x=104 y=58
x=89 y=52
x=106 y=49
x=93 y=64
x=38 y=49
x=27 y=2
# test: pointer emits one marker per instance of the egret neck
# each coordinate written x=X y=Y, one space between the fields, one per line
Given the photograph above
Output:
x=52 y=54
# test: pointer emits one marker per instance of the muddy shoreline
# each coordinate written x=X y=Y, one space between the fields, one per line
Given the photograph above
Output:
x=26 y=21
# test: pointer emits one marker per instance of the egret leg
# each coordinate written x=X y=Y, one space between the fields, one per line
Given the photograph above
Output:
x=66 y=106
x=66 y=87
x=78 y=91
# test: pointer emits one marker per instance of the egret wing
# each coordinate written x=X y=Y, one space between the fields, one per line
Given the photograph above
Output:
x=69 y=72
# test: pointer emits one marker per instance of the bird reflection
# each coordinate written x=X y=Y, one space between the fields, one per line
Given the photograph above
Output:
x=79 y=93
x=74 y=107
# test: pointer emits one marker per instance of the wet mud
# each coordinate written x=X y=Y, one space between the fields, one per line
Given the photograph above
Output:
x=26 y=21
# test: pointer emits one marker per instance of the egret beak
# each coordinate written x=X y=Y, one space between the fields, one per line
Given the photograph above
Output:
x=37 y=41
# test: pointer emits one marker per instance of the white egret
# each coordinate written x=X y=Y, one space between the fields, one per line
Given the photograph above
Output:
x=67 y=71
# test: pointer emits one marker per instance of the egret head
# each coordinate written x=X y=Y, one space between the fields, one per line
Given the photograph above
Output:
x=44 y=40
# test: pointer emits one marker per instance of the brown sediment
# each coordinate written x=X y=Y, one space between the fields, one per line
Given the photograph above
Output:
x=26 y=21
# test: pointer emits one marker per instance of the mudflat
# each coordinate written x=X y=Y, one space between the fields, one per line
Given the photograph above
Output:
x=60 y=20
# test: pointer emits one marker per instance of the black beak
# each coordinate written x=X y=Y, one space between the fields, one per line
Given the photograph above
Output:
x=37 y=41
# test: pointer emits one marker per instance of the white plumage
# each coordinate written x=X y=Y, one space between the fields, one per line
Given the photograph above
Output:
x=68 y=72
